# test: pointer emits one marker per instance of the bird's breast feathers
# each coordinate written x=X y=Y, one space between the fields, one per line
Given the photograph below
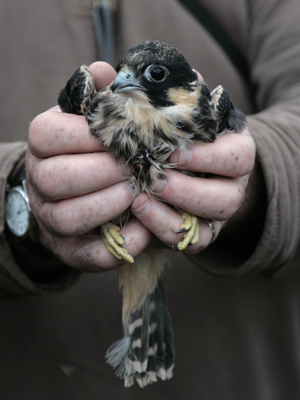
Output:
x=127 y=122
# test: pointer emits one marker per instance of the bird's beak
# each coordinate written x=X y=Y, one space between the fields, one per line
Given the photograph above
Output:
x=125 y=81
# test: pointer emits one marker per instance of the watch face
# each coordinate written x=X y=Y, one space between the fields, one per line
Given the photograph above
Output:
x=16 y=213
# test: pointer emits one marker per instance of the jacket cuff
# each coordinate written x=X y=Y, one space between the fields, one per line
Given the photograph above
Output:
x=13 y=280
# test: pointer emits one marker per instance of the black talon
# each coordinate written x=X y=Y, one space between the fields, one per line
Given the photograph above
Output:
x=181 y=230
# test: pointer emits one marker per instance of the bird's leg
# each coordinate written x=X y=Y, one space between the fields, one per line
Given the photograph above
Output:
x=191 y=229
x=113 y=241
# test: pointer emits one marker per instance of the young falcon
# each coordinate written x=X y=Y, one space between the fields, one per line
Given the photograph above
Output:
x=154 y=106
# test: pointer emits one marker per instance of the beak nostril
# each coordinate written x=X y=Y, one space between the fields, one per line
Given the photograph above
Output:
x=125 y=82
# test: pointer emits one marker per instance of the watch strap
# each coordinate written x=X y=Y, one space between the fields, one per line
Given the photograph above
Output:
x=34 y=247
x=19 y=176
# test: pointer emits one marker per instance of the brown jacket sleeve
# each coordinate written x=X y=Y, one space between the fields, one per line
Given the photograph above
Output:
x=273 y=54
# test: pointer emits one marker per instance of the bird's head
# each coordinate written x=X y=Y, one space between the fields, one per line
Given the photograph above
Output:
x=157 y=69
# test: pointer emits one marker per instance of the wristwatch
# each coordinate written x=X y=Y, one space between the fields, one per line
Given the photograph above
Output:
x=18 y=216
x=21 y=226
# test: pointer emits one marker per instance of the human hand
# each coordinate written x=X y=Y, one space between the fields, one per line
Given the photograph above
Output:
x=229 y=161
x=75 y=186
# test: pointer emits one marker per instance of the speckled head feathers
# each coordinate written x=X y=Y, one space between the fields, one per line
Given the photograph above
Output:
x=156 y=52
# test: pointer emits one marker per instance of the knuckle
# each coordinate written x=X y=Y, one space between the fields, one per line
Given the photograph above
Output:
x=45 y=182
x=65 y=218
x=213 y=157
x=35 y=137
x=248 y=152
x=231 y=202
x=58 y=219
x=238 y=195
x=103 y=168
x=103 y=261
x=35 y=199
x=30 y=162
x=185 y=200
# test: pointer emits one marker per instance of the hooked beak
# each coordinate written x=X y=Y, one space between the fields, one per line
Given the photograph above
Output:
x=125 y=81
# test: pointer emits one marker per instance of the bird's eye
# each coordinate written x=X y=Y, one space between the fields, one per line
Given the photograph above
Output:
x=156 y=73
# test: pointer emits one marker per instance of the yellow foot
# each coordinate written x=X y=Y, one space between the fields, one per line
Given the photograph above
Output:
x=114 y=241
x=191 y=227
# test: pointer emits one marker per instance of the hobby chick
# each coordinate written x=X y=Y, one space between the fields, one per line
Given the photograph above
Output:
x=154 y=106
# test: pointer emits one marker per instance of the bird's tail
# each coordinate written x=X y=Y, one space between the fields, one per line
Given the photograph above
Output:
x=146 y=351
x=236 y=120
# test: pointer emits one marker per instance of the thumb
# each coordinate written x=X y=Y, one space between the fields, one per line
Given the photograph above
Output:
x=103 y=74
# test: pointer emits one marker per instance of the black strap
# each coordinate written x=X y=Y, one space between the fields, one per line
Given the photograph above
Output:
x=104 y=26
x=209 y=22
x=19 y=176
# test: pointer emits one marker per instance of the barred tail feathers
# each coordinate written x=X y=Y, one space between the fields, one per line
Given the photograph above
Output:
x=236 y=120
x=146 y=351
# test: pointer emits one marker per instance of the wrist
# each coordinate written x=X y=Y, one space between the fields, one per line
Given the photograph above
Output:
x=243 y=231
x=35 y=260
x=21 y=231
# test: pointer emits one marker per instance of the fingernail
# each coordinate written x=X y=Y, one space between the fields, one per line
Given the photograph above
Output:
x=160 y=185
x=181 y=157
x=126 y=169
x=199 y=76
x=142 y=205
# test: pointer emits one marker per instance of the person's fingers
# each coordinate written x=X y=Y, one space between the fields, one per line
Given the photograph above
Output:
x=231 y=155
x=214 y=198
x=79 y=215
x=199 y=76
x=53 y=132
x=159 y=217
x=164 y=221
x=89 y=253
x=66 y=176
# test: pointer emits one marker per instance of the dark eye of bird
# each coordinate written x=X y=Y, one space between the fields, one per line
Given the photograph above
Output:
x=156 y=73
